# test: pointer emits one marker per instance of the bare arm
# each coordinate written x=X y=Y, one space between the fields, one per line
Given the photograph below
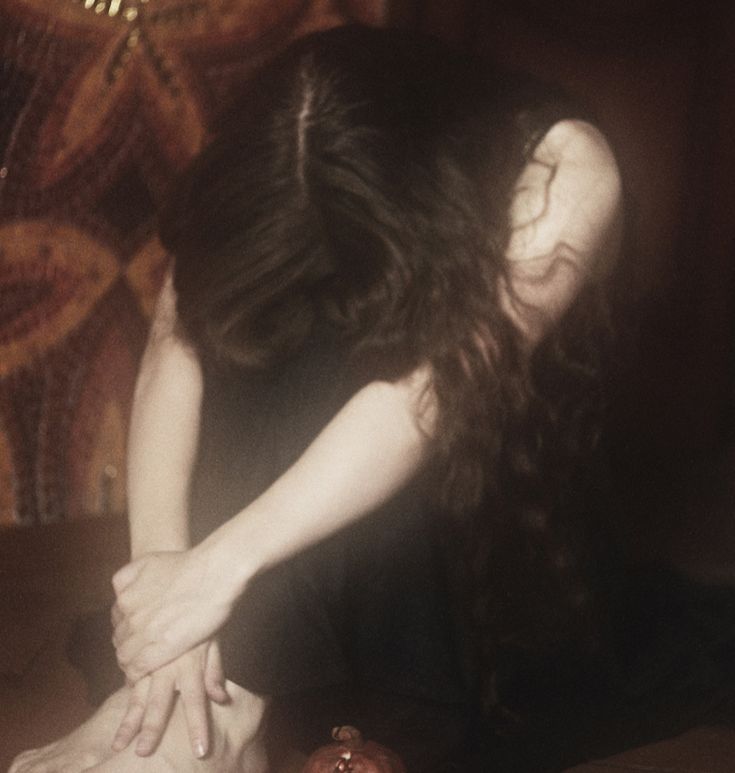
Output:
x=364 y=455
x=163 y=435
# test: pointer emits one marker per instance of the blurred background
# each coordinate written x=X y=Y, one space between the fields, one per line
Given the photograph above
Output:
x=103 y=101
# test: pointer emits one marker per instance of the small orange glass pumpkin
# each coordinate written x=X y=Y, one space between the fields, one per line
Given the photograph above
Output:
x=350 y=754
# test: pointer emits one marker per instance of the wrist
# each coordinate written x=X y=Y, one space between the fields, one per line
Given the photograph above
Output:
x=142 y=547
x=223 y=556
x=158 y=531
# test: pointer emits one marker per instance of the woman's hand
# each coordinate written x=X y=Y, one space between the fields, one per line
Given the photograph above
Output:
x=167 y=603
x=196 y=676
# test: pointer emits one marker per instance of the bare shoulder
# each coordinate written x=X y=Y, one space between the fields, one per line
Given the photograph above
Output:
x=578 y=142
x=566 y=223
x=570 y=192
x=586 y=175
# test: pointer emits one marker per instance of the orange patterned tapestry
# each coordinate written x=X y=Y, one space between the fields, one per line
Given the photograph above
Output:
x=101 y=102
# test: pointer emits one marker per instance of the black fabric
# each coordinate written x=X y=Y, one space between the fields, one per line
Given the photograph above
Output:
x=668 y=666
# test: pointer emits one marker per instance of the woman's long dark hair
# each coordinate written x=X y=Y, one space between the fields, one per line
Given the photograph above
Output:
x=364 y=184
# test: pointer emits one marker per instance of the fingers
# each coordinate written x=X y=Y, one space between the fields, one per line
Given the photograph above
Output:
x=194 y=700
x=116 y=616
x=121 y=623
x=137 y=664
x=133 y=718
x=120 y=632
x=125 y=576
x=137 y=655
x=160 y=701
x=148 y=649
x=214 y=675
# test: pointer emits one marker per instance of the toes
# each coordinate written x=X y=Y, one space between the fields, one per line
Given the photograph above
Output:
x=23 y=762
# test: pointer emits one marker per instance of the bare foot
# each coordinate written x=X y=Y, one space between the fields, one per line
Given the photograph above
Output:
x=236 y=743
x=83 y=748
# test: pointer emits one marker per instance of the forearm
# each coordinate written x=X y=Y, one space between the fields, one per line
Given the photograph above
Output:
x=368 y=452
x=163 y=438
x=162 y=443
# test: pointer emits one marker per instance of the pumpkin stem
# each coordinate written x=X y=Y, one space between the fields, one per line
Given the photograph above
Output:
x=348 y=735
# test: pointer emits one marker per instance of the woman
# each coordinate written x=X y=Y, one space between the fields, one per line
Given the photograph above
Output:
x=356 y=375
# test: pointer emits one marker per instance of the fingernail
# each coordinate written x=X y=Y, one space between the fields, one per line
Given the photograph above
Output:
x=199 y=749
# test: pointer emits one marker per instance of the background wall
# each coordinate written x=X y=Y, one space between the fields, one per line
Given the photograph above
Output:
x=103 y=101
